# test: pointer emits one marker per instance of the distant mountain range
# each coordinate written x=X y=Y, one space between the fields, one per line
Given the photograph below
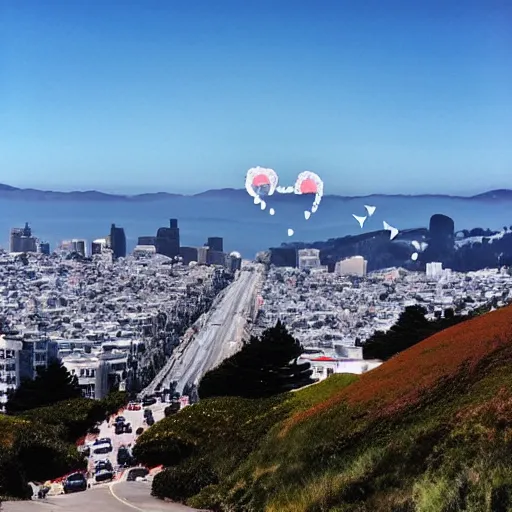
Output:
x=30 y=194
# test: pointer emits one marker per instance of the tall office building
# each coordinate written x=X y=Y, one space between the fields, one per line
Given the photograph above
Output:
x=79 y=246
x=168 y=240
x=234 y=261
x=215 y=257
x=283 y=256
x=309 y=258
x=98 y=245
x=22 y=240
x=434 y=270
x=355 y=266
x=215 y=243
x=117 y=242
x=44 y=248
x=202 y=255
x=188 y=254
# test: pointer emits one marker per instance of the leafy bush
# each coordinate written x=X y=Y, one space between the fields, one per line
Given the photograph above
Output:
x=75 y=417
x=184 y=481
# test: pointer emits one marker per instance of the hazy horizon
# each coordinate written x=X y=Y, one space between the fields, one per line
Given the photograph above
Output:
x=131 y=191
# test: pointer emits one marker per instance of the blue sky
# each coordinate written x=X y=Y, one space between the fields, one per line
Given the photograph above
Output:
x=382 y=96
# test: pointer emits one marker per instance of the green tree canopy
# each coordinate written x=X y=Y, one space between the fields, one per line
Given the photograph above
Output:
x=411 y=328
x=52 y=384
x=266 y=366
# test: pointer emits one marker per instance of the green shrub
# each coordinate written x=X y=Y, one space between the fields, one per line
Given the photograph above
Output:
x=182 y=482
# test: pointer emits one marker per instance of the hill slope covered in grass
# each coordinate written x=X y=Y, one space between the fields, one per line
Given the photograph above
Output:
x=430 y=430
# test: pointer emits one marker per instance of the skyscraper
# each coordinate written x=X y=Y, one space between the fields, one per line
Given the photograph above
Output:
x=117 y=242
x=168 y=240
x=215 y=243
x=79 y=246
x=22 y=240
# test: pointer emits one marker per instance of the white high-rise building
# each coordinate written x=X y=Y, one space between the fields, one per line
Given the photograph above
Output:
x=434 y=270
x=9 y=367
x=309 y=258
x=355 y=266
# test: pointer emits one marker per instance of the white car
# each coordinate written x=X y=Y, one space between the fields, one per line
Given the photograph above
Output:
x=102 y=448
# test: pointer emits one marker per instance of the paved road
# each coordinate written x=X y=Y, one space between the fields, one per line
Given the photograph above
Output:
x=117 y=497
x=221 y=335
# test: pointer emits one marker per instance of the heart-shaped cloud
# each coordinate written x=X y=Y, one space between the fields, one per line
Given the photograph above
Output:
x=262 y=181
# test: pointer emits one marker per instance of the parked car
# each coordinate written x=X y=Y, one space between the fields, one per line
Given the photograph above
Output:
x=120 y=419
x=135 y=473
x=74 y=483
x=104 y=474
x=103 y=440
x=150 y=421
x=124 y=456
x=103 y=445
x=128 y=428
x=132 y=406
x=147 y=412
x=103 y=464
x=149 y=400
x=119 y=428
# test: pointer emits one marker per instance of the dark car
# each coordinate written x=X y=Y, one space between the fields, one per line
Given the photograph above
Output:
x=103 y=464
x=119 y=428
x=75 y=482
x=104 y=474
x=147 y=412
x=127 y=428
x=150 y=421
x=135 y=473
x=124 y=456
x=120 y=419
x=150 y=400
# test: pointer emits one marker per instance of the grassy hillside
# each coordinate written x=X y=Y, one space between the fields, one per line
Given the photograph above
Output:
x=430 y=431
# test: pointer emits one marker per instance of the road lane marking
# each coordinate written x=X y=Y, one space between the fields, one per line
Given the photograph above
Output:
x=121 y=500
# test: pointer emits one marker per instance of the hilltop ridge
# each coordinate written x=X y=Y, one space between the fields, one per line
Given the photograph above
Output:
x=32 y=194
x=429 y=430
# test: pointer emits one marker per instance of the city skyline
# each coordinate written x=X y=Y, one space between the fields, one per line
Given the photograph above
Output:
x=157 y=97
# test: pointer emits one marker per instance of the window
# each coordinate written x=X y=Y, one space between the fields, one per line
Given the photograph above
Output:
x=2 y=354
x=82 y=372
x=40 y=358
x=40 y=345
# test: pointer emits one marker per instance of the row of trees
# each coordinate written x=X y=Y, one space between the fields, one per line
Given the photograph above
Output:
x=411 y=328
x=52 y=384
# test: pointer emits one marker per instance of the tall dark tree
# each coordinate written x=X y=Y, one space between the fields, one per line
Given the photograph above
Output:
x=411 y=328
x=52 y=384
x=264 y=367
